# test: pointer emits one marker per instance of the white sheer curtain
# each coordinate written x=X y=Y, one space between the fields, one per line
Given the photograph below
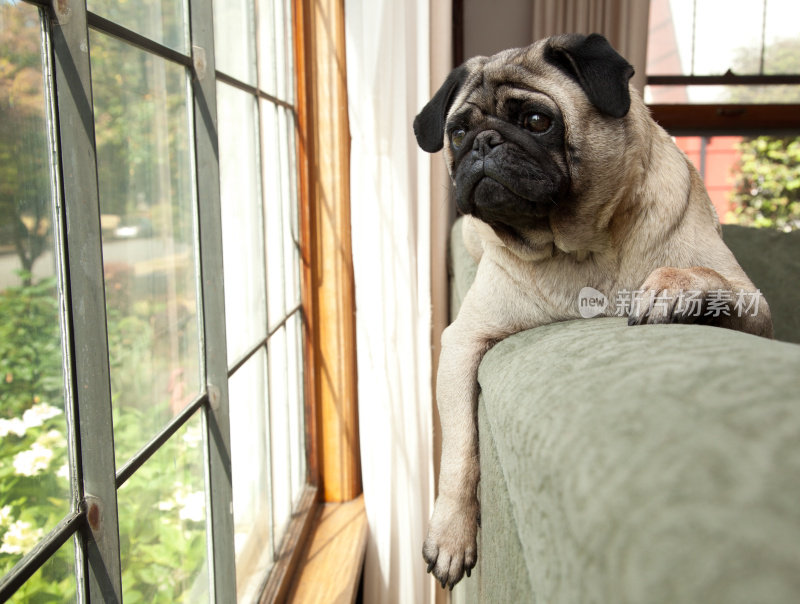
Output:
x=387 y=81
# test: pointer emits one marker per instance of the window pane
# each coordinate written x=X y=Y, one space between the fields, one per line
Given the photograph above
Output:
x=234 y=39
x=765 y=183
x=34 y=479
x=54 y=581
x=291 y=226
x=274 y=176
x=149 y=252
x=782 y=39
x=281 y=425
x=250 y=456
x=242 y=222
x=727 y=34
x=715 y=158
x=780 y=94
x=750 y=180
x=164 y=21
x=267 y=61
x=708 y=37
x=275 y=49
x=295 y=400
x=162 y=523
x=669 y=38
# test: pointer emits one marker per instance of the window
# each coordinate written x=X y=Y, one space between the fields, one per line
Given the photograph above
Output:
x=724 y=77
x=152 y=409
x=707 y=51
x=257 y=122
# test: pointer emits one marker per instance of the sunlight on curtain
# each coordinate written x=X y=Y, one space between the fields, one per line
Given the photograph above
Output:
x=387 y=66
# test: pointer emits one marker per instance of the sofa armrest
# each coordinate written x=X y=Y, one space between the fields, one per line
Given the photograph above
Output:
x=648 y=464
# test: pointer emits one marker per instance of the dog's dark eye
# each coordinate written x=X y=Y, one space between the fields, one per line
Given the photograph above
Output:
x=536 y=122
x=457 y=137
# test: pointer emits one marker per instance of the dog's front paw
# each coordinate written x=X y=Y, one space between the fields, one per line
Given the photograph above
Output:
x=451 y=547
x=682 y=295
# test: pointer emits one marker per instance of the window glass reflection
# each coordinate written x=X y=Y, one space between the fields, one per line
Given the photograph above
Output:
x=55 y=581
x=162 y=523
x=242 y=221
x=34 y=474
x=276 y=76
x=250 y=457
x=280 y=413
x=149 y=252
x=709 y=37
x=234 y=39
x=163 y=21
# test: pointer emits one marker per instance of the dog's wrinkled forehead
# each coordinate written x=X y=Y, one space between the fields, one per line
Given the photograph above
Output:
x=576 y=66
x=493 y=79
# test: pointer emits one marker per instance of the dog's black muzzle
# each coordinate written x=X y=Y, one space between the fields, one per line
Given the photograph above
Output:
x=506 y=179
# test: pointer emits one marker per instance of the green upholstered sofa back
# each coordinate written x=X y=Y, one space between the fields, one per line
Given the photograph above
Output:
x=643 y=464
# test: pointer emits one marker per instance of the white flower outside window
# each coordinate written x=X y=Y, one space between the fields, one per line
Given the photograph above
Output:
x=20 y=538
x=32 y=461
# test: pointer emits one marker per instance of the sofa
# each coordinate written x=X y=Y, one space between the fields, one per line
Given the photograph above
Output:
x=650 y=464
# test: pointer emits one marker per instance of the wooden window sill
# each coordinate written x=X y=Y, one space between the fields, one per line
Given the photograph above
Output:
x=329 y=567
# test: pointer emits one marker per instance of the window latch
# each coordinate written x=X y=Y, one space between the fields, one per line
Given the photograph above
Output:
x=199 y=61
x=62 y=11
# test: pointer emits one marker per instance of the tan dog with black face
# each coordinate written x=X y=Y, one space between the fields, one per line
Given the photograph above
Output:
x=567 y=183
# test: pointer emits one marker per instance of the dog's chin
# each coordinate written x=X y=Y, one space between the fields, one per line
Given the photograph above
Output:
x=520 y=225
x=513 y=218
x=497 y=204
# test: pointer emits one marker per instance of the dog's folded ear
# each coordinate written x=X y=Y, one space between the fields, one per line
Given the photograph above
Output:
x=429 y=124
x=597 y=67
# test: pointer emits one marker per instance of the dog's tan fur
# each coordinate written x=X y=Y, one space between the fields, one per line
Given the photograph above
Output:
x=641 y=220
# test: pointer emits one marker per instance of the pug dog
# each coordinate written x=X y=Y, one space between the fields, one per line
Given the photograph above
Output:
x=566 y=182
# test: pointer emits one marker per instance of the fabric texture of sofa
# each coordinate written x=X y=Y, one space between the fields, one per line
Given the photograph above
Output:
x=643 y=464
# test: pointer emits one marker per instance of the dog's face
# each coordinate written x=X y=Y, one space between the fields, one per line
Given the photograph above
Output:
x=532 y=137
